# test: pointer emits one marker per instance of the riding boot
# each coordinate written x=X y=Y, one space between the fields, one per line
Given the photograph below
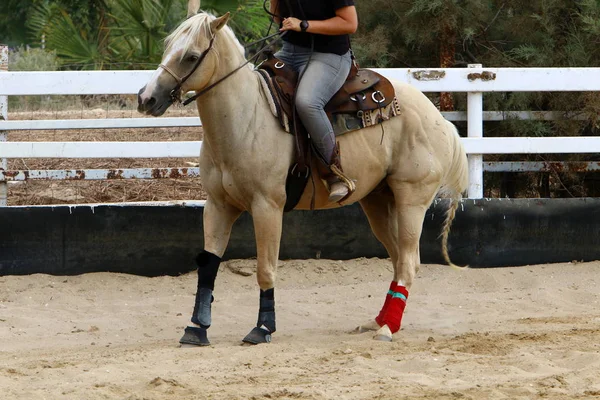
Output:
x=338 y=184
x=337 y=189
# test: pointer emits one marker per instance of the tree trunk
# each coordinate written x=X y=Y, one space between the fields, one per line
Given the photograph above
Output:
x=447 y=60
x=544 y=186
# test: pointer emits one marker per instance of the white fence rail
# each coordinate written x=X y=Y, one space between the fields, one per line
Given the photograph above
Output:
x=474 y=80
x=3 y=117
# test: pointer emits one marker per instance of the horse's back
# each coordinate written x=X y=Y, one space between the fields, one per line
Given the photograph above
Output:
x=419 y=112
x=409 y=97
x=443 y=136
x=418 y=144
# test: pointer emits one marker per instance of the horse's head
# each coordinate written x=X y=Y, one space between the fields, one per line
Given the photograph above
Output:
x=188 y=63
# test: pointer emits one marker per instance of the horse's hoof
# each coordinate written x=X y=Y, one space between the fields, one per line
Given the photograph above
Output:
x=368 y=327
x=194 y=337
x=257 y=336
x=383 y=334
x=382 y=338
x=188 y=346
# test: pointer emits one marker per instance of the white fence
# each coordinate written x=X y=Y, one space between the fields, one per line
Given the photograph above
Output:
x=474 y=80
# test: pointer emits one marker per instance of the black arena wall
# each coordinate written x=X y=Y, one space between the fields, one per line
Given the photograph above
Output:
x=156 y=240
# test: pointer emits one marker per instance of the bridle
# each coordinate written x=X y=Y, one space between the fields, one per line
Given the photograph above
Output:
x=175 y=93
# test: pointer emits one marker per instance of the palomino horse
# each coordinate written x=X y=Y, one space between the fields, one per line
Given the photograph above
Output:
x=246 y=155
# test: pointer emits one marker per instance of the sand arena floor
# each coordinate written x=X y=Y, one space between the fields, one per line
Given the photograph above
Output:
x=509 y=333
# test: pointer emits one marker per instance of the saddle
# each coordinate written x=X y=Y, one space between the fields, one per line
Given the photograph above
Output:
x=364 y=90
x=363 y=93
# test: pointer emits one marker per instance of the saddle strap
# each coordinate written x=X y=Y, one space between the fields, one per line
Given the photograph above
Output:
x=282 y=91
x=274 y=101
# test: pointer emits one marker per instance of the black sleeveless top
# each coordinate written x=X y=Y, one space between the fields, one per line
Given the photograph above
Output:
x=318 y=10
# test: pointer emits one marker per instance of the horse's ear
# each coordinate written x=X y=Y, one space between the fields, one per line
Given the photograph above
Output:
x=218 y=23
x=193 y=7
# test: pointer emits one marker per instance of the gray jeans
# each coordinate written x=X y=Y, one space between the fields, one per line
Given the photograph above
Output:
x=323 y=77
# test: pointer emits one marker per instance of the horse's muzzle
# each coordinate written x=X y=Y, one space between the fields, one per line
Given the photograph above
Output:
x=150 y=104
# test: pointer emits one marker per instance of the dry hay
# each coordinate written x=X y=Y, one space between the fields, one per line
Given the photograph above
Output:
x=36 y=192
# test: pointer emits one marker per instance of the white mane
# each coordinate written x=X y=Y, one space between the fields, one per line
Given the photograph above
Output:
x=197 y=25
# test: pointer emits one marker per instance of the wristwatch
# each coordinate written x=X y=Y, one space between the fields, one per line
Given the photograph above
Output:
x=304 y=25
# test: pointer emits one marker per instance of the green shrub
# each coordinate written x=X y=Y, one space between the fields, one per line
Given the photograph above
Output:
x=29 y=59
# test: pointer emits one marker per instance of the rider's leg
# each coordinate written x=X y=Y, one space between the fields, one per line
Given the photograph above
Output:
x=323 y=76
x=294 y=56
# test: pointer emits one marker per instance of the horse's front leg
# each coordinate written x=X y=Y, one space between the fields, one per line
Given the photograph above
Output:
x=218 y=219
x=267 y=217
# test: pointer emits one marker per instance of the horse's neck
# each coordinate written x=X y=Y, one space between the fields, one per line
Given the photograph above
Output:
x=227 y=110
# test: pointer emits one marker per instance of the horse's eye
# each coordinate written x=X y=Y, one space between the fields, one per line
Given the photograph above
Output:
x=192 y=58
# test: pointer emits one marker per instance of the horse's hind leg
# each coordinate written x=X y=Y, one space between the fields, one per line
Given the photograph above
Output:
x=268 y=219
x=412 y=201
x=218 y=218
x=380 y=209
x=397 y=221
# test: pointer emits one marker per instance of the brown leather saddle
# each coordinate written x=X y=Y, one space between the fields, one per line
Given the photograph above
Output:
x=364 y=90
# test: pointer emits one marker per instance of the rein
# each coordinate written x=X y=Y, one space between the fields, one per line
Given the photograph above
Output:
x=176 y=92
x=258 y=53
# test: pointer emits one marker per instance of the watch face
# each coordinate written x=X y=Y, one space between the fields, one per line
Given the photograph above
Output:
x=304 y=26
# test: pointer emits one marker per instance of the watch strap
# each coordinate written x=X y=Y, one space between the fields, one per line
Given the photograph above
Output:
x=304 y=25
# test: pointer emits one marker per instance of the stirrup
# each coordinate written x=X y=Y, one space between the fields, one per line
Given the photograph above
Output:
x=338 y=193
x=345 y=180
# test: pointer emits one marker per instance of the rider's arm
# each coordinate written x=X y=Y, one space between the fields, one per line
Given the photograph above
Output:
x=344 y=22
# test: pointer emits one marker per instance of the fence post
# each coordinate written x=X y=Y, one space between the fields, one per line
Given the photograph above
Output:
x=3 y=134
x=475 y=130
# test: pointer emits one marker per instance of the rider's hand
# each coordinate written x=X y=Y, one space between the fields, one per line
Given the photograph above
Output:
x=291 y=24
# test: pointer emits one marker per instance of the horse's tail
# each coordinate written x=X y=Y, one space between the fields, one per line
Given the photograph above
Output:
x=455 y=184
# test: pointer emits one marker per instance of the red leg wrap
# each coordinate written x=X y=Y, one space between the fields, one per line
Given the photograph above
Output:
x=388 y=297
x=395 y=309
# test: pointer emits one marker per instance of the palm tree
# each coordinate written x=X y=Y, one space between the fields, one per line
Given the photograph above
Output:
x=138 y=29
x=249 y=21
x=73 y=45
x=129 y=33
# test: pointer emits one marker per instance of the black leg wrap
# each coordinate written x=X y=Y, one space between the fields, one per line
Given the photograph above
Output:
x=202 y=311
x=266 y=313
x=266 y=319
x=195 y=337
x=208 y=266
